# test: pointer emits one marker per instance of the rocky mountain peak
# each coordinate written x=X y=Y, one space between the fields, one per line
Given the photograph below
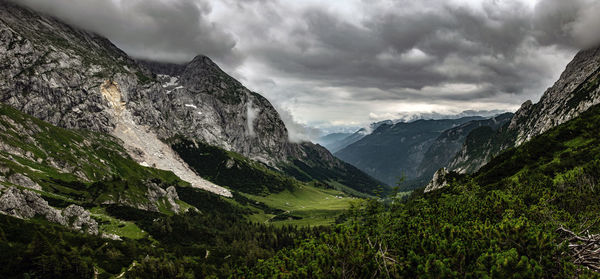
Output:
x=574 y=92
x=78 y=80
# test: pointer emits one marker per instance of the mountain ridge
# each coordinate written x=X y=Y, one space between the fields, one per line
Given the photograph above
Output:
x=395 y=150
x=79 y=80
x=574 y=92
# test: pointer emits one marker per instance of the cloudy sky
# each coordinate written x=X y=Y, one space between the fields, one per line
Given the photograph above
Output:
x=342 y=64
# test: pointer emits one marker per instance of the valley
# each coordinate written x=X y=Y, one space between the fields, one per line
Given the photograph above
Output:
x=122 y=166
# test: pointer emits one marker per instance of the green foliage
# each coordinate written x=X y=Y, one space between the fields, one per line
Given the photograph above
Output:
x=98 y=159
x=230 y=169
x=498 y=223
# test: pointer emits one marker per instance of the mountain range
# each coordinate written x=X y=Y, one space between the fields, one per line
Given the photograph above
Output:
x=112 y=167
x=471 y=145
x=395 y=150
x=78 y=80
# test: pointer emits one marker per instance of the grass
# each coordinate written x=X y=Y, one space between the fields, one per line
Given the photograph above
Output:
x=315 y=206
x=110 y=225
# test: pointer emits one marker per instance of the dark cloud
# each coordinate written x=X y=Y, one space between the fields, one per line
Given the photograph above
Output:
x=174 y=31
x=339 y=61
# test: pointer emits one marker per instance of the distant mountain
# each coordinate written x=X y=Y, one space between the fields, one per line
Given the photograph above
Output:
x=574 y=92
x=338 y=141
x=395 y=150
x=329 y=140
x=445 y=147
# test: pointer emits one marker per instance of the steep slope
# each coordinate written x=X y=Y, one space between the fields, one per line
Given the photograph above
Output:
x=75 y=79
x=450 y=142
x=305 y=161
x=574 y=92
x=62 y=174
x=531 y=212
x=79 y=80
x=395 y=150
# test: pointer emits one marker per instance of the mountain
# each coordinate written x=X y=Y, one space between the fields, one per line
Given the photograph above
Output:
x=449 y=143
x=394 y=150
x=330 y=141
x=331 y=138
x=530 y=212
x=338 y=141
x=573 y=93
x=79 y=80
x=44 y=167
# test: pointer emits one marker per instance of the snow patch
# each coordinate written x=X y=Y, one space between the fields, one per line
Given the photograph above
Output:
x=191 y=106
x=171 y=82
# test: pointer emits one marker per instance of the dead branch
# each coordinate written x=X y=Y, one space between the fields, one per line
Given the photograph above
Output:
x=585 y=250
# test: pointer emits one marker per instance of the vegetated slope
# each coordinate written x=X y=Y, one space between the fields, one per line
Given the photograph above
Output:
x=395 y=150
x=575 y=91
x=139 y=220
x=75 y=79
x=447 y=145
x=76 y=167
x=204 y=244
x=513 y=218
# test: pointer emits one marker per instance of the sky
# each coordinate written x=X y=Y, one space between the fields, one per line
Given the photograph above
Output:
x=337 y=65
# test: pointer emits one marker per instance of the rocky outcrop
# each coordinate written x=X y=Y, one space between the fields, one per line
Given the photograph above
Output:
x=75 y=79
x=26 y=204
x=211 y=106
x=439 y=180
x=157 y=195
x=574 y=92
x=79 y=219
x=22 y=180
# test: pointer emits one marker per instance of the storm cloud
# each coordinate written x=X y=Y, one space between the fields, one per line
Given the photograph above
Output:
x=340 y=63
x=173 y=30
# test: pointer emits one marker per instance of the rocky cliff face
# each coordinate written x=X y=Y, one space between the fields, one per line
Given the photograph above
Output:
x=26 y=204
x=576 y=90
x=439 y=180
x=204 y=103
x=75 y=79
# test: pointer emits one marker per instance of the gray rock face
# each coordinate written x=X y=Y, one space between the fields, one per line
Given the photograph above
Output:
x=22 y=180
x=75 y=79
x=574 y=92
x=25 y=204
x=80 y=219
x=157 y=195
x=438 y=181
x=209 y=105
x=55 y=72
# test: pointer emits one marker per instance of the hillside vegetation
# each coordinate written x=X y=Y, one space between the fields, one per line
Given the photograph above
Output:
x=510 y=220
